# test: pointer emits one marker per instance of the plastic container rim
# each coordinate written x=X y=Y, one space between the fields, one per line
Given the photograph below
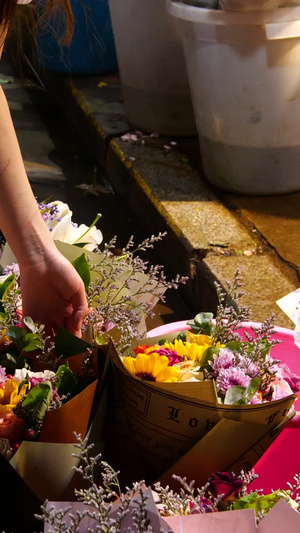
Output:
x=195 y=14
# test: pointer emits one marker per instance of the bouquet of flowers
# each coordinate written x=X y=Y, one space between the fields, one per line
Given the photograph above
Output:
x=187 y=391
x=121 y=289
x=39 y=407
x=225 y=503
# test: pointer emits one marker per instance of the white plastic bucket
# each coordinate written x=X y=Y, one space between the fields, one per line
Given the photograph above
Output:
x=244 y=74
x=152 y=67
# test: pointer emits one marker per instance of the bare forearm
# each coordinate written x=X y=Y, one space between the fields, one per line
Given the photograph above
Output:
x=20 y=219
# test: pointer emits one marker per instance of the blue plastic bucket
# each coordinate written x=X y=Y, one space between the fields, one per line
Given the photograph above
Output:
x=92 y=49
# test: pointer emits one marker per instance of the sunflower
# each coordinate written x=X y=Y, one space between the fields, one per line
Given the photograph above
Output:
x=152 y=367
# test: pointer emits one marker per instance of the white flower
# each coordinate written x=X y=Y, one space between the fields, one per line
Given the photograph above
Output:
x=21 y=373
x=64 y=230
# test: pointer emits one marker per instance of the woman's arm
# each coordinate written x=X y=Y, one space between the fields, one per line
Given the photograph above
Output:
x=52 y=291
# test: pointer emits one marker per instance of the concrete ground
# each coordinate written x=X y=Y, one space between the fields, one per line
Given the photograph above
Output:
x=160 y=186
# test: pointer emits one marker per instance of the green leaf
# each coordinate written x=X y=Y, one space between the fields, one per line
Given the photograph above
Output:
x=233 y=346
x=31 y=342
x=5 y=287
x=16 y=335
x=24 y=382
x=202 y=323
x=181 y=336
x=238 y=395
x=161 y=342
x=80 y=244
x=37 y=401
x=67 y=344
x=11 y=361
x=257 y=502
x=67 y=381
x=30 y=324
x=252 y=388
x=26 y=341
x=235 y=395
x=208 y=355
x=99 y=339
x=83 y=269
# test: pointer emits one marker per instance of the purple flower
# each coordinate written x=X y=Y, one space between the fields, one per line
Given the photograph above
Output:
x=229 y=377
x=226 y=484
x=224 y=359
x=12 y=269
x=255 y=399
x=34 y=381
x=172 y=356
x=205 y=506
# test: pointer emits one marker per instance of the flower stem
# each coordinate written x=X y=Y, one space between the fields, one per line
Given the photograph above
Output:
x=88 y=229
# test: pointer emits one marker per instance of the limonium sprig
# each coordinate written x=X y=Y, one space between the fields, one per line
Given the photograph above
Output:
x=98 y=498
x=230 y=314
x=122 y=303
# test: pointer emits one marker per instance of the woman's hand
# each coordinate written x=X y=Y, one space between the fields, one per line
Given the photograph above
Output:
x=53 y=293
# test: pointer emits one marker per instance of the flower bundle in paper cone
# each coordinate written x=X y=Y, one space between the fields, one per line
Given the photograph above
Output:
x=198 y=401
x=40 y=411
x=225 y=503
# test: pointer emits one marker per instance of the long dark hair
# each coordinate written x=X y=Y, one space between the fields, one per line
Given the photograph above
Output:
x=54 y=9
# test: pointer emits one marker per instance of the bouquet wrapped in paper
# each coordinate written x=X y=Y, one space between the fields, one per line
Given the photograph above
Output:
x=40 y=409
x=224 y=503
x=200 y=400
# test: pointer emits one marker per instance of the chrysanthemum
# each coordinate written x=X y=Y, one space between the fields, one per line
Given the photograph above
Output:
x=224 y=359
x=152 y=367
x=229 y=377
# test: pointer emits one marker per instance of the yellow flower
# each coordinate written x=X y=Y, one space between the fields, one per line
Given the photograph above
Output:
x=3 y=338
x=152 y=367
x=201 y=340
x=9 y=395
x=187 y=350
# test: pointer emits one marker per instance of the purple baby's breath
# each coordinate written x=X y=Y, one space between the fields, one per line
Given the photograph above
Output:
x=250 y=368
x=229 y=377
